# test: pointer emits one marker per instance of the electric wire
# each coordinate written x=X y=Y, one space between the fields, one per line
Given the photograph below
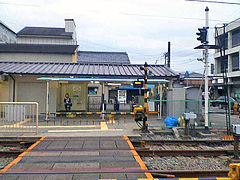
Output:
x=19 y=4
x=221 y=2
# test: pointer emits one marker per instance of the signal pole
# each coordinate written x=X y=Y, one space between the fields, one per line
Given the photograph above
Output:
x=206 y=130
x=204 y=38
x=145 y=118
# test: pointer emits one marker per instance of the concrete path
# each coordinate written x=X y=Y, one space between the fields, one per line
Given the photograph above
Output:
x=74 y=158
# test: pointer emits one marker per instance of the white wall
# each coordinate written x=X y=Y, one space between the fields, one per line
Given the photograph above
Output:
x=45 y=40
x=35 y=57
x=71 y=27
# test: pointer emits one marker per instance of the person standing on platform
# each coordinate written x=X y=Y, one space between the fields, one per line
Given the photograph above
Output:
x=116 y=104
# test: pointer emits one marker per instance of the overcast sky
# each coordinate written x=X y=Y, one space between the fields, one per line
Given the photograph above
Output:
x=141 y=28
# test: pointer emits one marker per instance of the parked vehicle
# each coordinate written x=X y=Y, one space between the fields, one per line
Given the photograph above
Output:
x=220 y=102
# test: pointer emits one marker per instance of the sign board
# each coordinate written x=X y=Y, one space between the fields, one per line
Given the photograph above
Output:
x=236 y=129
x=138 y=84
x=122 y=96
x=151 y=106
x=190 y=115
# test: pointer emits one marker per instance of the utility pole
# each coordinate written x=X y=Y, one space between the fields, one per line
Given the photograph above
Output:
x=165 y=58
x=206 y=130
x=168 y=54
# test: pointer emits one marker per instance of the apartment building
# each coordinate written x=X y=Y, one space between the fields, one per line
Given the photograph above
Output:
x=227 y=60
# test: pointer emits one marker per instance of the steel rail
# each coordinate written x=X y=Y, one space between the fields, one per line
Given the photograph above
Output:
x=176 y=141
x=16 y=143
x=184 y=152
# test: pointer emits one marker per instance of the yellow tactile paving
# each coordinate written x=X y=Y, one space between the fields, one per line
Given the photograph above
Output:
x=83 y=130
x=138 y=158
x=104 y=126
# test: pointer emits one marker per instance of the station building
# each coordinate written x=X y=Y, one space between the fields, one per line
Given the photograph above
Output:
x=44 y=64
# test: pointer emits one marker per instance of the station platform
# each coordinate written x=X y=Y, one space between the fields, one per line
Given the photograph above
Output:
x=74 y=158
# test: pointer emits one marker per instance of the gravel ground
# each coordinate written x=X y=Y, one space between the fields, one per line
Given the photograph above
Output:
x=169 y=137
x=186 y=163
x=8 y=148
x=4 y=161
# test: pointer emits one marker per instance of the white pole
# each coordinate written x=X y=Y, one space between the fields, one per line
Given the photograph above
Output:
x=159 y=101
x=161 y=98
x=47 y=102
x=206 y=71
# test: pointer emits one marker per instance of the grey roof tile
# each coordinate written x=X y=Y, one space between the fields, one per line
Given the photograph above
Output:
x=83 y=69
x=103 y=57
x=44 y=31
x=192 y=75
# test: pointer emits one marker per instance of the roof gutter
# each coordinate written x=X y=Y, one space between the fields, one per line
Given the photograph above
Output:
x=14 y=87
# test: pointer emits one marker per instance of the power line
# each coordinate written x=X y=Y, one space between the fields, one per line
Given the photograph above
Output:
x=17 y=4
x=221 y=2
x=188 y=62
x=169 y=17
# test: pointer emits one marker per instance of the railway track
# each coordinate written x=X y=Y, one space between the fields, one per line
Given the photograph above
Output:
x=184 y=147
x=165 y=156
x=190 y=174
x=15 y=143
x=185 y=152
x=10 y=153
x=178 y=142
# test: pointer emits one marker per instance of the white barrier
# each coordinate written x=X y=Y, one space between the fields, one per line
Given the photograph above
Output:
x=19 y=117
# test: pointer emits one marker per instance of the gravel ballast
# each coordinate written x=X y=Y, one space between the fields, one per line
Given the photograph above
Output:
x=186 y=163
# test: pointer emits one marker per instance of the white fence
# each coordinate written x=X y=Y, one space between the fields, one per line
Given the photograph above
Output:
x=19 y=117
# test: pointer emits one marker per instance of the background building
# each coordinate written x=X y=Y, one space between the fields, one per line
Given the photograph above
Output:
x=103 y=57
x=38 y=52
x=229 y=39
x=49 y=35
x=6 y=34
x=93 y=77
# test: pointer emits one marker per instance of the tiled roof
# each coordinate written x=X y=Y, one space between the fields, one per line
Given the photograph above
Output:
x=103 y=57
x=7 y=27
x=84 y=70
x=44 y=31
x=37 y=48
x=192 y=75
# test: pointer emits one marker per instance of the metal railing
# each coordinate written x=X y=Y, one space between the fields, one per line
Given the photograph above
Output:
x=217 y=111
x=19 y=117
